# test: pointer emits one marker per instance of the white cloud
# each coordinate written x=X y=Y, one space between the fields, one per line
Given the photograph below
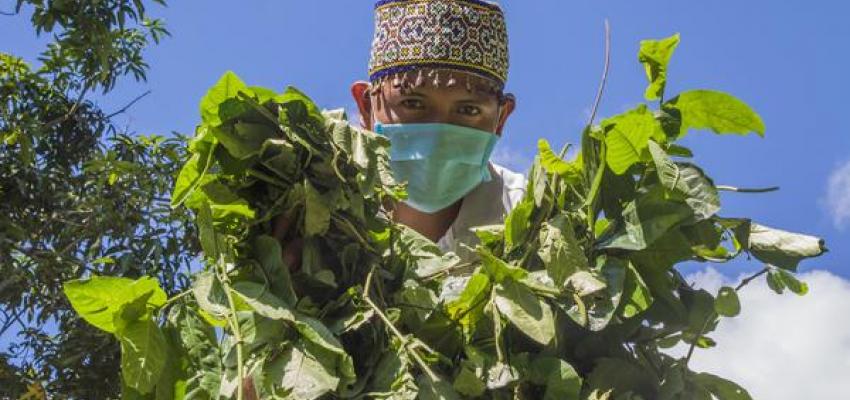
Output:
x=838 y=195
x=514 y=160
x=782 y=346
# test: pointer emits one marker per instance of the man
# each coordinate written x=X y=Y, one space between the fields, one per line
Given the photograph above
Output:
x=437 y=75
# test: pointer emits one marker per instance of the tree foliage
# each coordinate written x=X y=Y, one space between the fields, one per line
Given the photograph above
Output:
x=81 y=195
x=575 y=296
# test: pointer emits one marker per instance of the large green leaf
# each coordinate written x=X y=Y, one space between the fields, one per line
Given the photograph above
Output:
x=645 y=220
x=782 y=248
x=561 y=380
x=302 y=371
x=269 y=254
x=98 y=299
x=227 y=87
x=718 y=111
x=529 y=313
x=144 y=351
x=627 y=137
x=244 y=140
x=559 y=249
x=655 y=56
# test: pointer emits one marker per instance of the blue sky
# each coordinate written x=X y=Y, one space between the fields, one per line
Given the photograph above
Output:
x=788 y=59
x=783 y=58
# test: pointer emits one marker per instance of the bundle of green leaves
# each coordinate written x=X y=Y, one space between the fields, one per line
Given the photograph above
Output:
x=575 y=296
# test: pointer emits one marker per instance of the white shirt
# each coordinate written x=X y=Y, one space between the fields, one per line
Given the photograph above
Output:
x=487 y=204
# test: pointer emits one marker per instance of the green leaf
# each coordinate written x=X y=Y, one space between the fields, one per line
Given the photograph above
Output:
x=224 y=203
x=244 y=140
x=559 y=250
x=468 y=308
x=210 y=295
x=628 y=136
x=722 y=389
x=782 y=248
x=498 y=269
x=227 y=87
x=553 y=164
x=468 y=384
x=529 y=313
x=192 y=173
x=200 y=347
x=302 y=371
x=318 y=214
x=269 y=254
x=637 y=295
x=718 y=111
x=779 y=279
x=601 y=307
x=727 y=303
x=561 y=380
x=269 y=306
x=292 y=94
x=699 y=191
x=517 y=224
x=440 y=389
x=668 y=172
x=622 y=376
x=98 y=299
x=143 y=354
x=655 y=56
x=645 y=220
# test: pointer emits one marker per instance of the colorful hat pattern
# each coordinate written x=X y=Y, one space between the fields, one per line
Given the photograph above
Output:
x=464 y=35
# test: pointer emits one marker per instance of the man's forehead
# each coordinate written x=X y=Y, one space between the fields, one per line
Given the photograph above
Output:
x=439 y=83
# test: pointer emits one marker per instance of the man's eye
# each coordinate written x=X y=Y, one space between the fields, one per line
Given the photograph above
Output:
x=413 y=104
x=469 y=110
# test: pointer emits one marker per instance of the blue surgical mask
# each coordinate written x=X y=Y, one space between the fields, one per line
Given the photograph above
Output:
x=441 y=163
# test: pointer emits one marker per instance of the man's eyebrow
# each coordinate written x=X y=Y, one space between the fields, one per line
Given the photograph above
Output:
x=411 y=92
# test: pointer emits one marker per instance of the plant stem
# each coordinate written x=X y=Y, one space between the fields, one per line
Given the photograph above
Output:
x=604 y=74
x=404 y=339
x=233 y=321
x=745 y=190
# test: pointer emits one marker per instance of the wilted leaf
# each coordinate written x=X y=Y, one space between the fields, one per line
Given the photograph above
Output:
x=781 y=248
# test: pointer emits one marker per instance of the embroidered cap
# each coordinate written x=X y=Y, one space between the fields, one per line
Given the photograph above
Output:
x=463 y=35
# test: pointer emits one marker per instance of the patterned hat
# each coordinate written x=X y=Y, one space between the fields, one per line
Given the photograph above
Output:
x=464 y=35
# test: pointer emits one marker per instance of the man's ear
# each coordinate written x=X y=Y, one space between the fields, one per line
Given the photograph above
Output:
x=506 y=109
x=360 y=92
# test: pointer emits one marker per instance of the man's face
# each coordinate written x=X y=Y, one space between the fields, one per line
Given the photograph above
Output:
x=476 y=107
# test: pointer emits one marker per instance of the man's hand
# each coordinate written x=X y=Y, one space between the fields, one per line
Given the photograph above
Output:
x=291 y=245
